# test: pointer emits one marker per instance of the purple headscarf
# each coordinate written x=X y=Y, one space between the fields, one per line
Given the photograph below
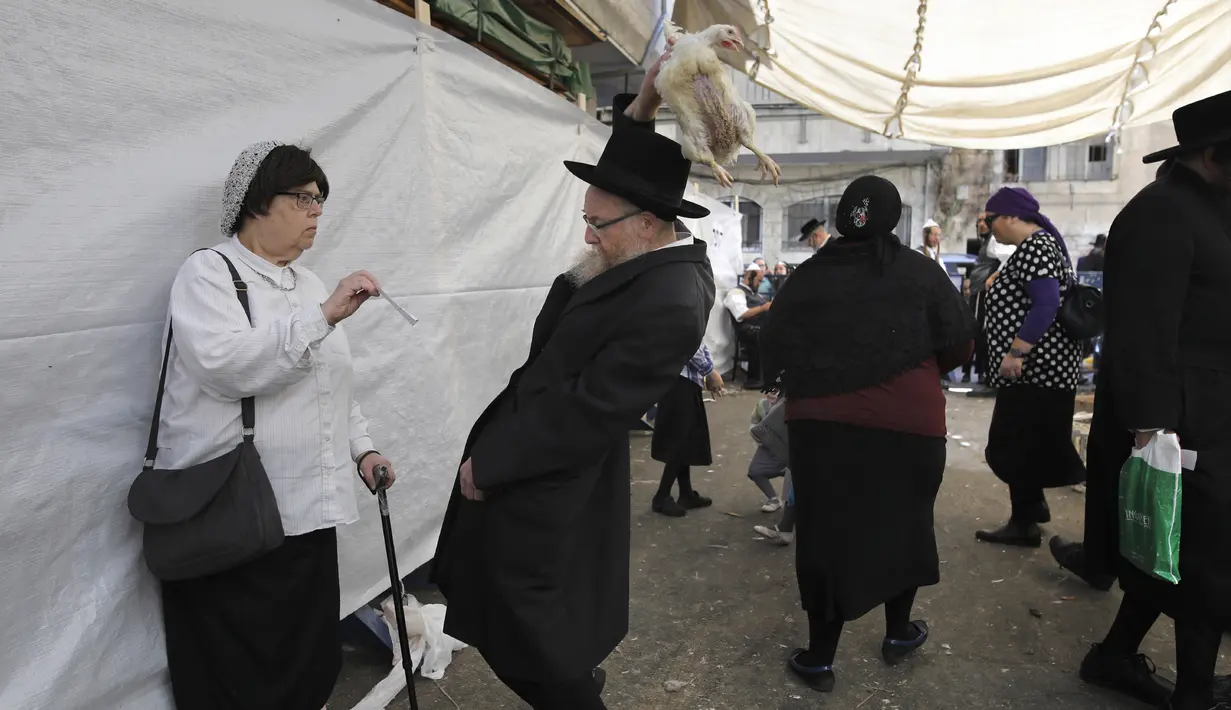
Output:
x=1018 y=202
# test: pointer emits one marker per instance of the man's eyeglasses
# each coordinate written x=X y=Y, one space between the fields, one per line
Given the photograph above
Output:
x=989 y=218
x=304 y=200
x=603 y=225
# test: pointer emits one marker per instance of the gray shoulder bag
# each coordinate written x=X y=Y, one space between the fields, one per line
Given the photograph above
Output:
x=215 y=515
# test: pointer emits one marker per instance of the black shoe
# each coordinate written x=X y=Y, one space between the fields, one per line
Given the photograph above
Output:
x=1013 y=533
x=1222 y=691
x=1134 y=676
x=982 y=391
x=894 y=650
x=600 y=677
x=821 y=679
x=667 y=506
x=1072 y=557
x=693 y=499
x=1044 y=513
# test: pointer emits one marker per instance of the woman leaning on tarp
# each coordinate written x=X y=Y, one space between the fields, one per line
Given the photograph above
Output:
x=264 y=634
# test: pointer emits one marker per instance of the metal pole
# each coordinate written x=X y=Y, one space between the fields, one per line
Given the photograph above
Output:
x=380 y=473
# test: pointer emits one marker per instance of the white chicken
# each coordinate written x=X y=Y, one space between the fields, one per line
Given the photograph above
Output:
x=714 y=121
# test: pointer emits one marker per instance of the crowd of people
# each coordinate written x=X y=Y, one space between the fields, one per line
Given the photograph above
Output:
x=533 y=554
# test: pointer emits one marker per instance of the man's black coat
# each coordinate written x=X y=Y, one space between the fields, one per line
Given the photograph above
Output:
x=1167 y=364
x=536 y=575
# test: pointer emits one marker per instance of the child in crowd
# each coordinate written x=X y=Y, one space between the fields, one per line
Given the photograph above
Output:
x=764 y=464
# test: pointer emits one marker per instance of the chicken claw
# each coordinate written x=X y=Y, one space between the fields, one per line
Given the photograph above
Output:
x=720 y=174
x=766 y=165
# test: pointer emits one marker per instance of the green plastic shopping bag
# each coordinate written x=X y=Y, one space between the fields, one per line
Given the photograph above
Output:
x=1151 y=494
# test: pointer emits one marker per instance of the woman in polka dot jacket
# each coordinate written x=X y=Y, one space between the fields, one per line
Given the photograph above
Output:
x=1036 y=365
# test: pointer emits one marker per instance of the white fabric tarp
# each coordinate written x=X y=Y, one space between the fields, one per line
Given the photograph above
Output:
x=120 y=120
x=723 y=232
x=991 y=75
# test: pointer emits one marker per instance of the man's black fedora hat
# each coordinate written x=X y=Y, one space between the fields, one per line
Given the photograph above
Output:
x=806 y=230
x=1198 y=125
x=645 y=168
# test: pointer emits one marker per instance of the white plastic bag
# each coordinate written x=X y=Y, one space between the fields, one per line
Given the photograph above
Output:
x=425 y=630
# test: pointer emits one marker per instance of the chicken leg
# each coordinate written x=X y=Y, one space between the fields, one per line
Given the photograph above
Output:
x=765 y=164
x=720 y=173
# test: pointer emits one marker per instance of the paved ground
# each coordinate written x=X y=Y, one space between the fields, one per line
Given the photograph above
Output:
x=715 y=608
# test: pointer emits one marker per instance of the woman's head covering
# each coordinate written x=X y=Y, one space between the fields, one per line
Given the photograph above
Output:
x=236 y=187
x=870 y=207
x=1018 y=202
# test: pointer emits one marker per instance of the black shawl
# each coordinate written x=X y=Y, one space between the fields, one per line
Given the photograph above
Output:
x=857 y=313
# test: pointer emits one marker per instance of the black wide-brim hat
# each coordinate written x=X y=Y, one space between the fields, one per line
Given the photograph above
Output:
x=645 y=168
x=1198 y=125
x=806 y=230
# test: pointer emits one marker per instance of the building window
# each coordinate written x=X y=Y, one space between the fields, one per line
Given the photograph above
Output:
x=826 y=208
x=903 y=230
x=1028 y=165
x=798 y=214
x=1084 y=160
x=1099 y=161
x=751 y=224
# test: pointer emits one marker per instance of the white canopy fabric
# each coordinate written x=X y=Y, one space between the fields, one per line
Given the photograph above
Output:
x=982 y=73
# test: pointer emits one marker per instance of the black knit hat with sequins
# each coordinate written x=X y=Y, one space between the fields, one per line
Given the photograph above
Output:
x=870 y=207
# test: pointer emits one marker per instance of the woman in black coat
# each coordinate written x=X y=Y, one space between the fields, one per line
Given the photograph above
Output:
x=856 y=341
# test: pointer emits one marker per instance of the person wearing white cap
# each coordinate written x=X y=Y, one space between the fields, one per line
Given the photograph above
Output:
x=931 y=241
x=748 y=307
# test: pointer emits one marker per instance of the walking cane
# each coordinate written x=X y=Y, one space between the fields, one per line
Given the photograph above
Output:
x=380 y=474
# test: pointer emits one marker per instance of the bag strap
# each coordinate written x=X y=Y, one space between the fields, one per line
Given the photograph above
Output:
x=247 y=404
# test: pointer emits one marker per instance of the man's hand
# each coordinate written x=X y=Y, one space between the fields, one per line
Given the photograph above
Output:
x=1145 y=437
x=645 y=106
x=1011 y=367
x=715 y=384
x=368 y=471
x=466 y=474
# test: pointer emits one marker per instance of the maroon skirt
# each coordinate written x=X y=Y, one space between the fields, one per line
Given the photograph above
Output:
x=261 y=636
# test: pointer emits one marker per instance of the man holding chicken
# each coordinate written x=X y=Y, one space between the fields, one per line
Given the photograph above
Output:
x=534 y=549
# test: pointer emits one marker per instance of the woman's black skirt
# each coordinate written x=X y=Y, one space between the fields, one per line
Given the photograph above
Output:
x=1030 y=440
x=864 y=502
x=681 y=429
x=262 y=636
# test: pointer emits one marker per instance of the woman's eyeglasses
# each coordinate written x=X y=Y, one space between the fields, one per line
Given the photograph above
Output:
x=304 y=200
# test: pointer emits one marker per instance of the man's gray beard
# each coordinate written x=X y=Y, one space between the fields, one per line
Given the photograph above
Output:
x=591 y=262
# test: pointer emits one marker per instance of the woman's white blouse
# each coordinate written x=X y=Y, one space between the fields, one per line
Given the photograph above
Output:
x=298 y=368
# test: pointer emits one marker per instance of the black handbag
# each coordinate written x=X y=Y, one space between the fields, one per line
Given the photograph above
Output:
x=1081 y=312
x=213 y=516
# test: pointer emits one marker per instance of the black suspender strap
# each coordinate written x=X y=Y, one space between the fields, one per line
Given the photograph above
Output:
x=247 y=404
